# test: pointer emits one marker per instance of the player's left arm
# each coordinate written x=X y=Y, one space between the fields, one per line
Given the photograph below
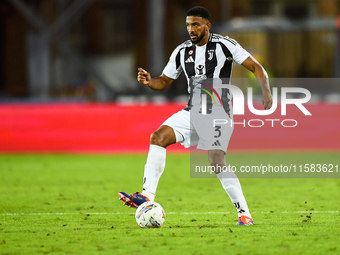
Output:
x=262 y=77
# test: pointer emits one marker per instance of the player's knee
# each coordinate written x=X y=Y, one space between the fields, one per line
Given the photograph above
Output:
x=159 y=139
x=216 y=158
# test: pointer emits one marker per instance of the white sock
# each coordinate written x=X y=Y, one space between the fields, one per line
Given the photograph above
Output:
x=232 y=186
x=153 y=170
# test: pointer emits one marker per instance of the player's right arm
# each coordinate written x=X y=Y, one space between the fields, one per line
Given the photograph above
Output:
x=158 y=83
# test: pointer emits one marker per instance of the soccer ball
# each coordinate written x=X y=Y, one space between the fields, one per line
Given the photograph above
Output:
x=150 y=215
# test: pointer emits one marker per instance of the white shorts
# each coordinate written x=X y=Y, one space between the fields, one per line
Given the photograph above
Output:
x=199 y=130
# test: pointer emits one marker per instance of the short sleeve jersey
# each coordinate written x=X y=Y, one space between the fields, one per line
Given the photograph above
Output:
x=210 y=61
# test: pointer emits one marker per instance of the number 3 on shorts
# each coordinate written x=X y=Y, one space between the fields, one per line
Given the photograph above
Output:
x=218 y=130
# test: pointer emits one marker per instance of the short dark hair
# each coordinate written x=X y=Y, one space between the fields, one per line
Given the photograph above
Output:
x=199 y=11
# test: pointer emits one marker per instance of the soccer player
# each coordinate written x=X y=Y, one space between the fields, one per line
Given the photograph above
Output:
x=205 y=56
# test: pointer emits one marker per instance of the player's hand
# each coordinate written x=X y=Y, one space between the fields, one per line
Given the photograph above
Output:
x=267 y=100
x=143 y=76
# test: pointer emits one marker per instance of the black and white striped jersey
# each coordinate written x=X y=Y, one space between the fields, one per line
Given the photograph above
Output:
x=206 y=64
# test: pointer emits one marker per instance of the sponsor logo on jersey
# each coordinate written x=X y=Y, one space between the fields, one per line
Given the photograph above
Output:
x=210 y=54
x=197 y=80
x=210 y=94
x=200 y=70
x=190 y=60
x=190 y=52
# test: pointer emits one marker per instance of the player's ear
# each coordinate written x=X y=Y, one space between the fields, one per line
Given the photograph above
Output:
x=208 y=26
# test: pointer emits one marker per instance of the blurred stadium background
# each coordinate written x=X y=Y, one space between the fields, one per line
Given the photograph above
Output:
x=68 y=69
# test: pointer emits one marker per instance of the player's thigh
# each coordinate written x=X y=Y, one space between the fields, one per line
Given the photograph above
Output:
x=180 y=123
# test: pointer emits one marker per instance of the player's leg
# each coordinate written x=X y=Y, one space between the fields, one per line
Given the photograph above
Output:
x=154 y=167
x=155 y=163
x=174 y=130
x=231 y=185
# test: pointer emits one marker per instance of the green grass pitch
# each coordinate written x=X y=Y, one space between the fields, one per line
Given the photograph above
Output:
x=68 y=204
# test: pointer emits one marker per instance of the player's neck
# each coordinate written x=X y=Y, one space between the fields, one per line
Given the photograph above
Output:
x=204 y=40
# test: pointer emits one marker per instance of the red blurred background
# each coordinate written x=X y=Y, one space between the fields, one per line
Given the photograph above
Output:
x=113 y=128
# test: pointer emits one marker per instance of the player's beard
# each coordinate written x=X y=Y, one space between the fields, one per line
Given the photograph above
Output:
x=199 y=39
